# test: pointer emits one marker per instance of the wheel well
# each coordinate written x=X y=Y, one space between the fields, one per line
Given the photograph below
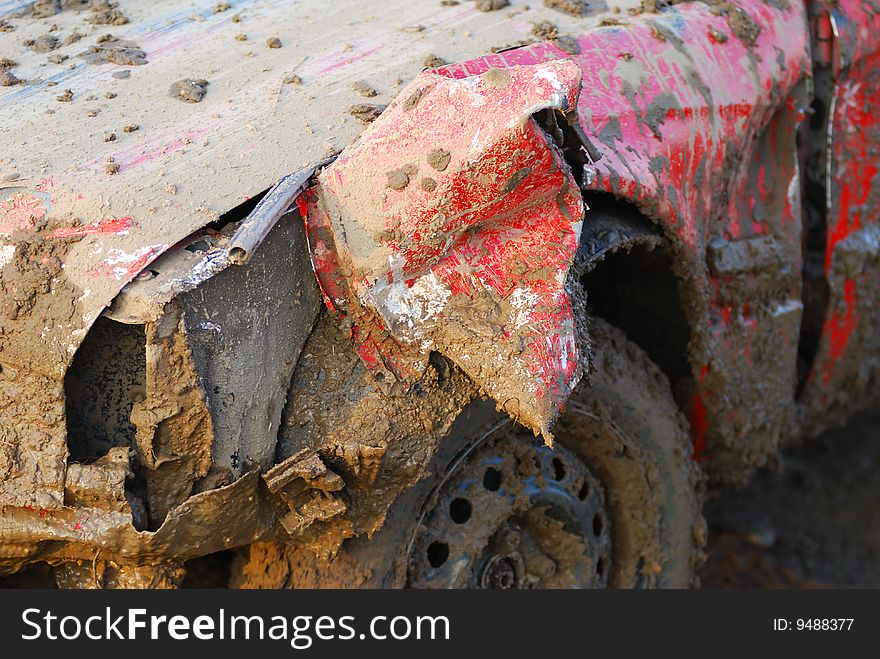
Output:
x=633 y=285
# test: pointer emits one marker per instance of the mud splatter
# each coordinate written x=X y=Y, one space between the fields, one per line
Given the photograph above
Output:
x=366 y=113
x=658 y=110
x=7 y=77
x=110 y=50
x=398 y=179
x=106 y=13
x=499 y=78
x=491 y=5
x=363 y=88
x=743 y=26
x=433 y=61
x=189 y=90
x=416 y=97
x=573 y=7
x=545 y=30
x=439 y=159
x=43 y=44
x=73 y=37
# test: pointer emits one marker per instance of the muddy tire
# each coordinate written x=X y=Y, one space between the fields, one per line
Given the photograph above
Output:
x=628 y=429
x=621 y=435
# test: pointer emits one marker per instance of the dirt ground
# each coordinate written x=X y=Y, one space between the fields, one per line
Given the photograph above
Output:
x=812 y=522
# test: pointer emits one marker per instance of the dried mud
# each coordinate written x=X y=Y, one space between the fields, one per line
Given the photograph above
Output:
x=189 y=90
x=110 y=50
x=378 y=441
x=33 y=294
x=7 y=77
x=366 y=113
x=491 y=5
x=573 y=7
x=363 y=88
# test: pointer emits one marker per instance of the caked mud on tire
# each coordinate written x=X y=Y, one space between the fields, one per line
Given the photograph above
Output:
x=629 y=431
x=622 y=431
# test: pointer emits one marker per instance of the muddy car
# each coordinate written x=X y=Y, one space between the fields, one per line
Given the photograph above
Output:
x=307 y=295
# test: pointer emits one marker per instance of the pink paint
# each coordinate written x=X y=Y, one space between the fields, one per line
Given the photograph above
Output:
x=340 y=59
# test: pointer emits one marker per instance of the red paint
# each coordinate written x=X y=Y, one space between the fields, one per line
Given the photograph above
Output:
x=699 y=418
x=839 y=328
x=303 y=207
x=115 y=225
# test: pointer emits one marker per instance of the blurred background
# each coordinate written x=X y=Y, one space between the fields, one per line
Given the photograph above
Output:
x=810 y=521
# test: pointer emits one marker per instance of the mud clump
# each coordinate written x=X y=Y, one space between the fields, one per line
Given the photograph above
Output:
x=364 y=89
x=130 y=128
x=7 y=77
x=220 y=7
x=545 y=30
x=43 y=44
x=189 y=90
x=65 y=97
x=416 y=97
x=273 y=42
x=111 y=167
x=743 y=26
x=29 y=274
x=398 y=179
x=241 y=37
x=292 y=79
x=366 y=113
x=439 y=159
x=428 y=184
x=73 y=37
x=573 y=7
x=491 y=5
x=43 y=8
x=110 y=50
x=496 y=78
x=106 y=13
x=433 y=61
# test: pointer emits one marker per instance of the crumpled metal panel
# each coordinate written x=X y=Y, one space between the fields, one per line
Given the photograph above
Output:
x=451 y=226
